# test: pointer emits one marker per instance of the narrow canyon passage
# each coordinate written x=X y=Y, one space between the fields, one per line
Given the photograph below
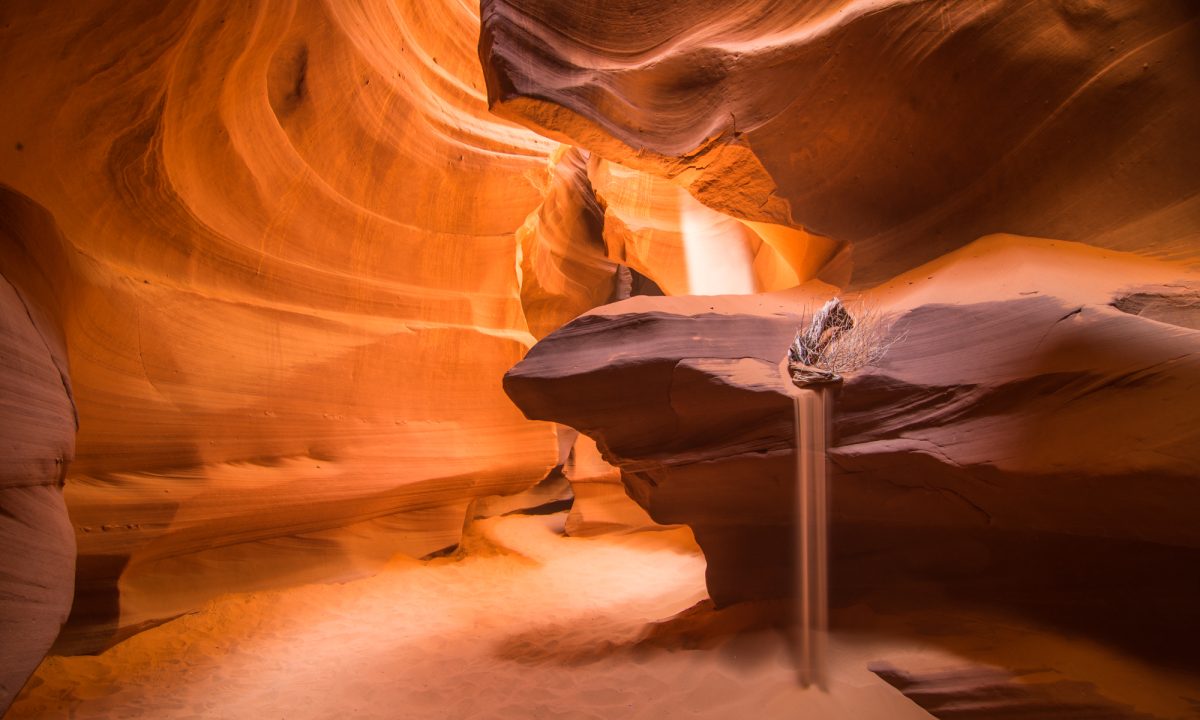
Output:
x=315 y=316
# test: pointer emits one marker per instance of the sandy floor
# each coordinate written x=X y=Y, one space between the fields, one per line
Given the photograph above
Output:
x=526 y=624
x=523 y=623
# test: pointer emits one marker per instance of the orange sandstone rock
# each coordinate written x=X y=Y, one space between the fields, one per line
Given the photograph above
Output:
x=1010 y=401
x=288 y=291
x=37 y=437
x=905 y=129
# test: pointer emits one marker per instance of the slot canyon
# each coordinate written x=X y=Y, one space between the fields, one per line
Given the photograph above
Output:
x=430 y=359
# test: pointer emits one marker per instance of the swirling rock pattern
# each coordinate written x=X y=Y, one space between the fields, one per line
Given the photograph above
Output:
x=288 y=253
x=37 y=414
x=904 y=128
x=685 y=247
x=565 y=268
x=288 y=288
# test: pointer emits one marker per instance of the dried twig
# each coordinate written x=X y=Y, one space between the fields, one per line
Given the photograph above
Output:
x=838 y=341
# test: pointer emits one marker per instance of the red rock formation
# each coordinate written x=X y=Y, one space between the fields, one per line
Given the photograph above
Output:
x=565 y=269
x=1042 y=390
x=288 y=289
x=37 y=414
x=907 y=129
x=1014 y=399
x=289 y=254
x=658 y=229
x=984 y=693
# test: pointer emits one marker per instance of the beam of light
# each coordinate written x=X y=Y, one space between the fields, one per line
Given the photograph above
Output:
x=718 y=257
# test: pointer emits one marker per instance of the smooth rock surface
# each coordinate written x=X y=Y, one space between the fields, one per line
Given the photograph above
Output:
x=288 y=287
x=1021 y=403
x=983 y=693
x=289 y=253
x=37 y=444
x=906 y=129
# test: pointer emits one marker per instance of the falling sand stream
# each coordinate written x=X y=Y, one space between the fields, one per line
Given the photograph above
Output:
x=811 y=625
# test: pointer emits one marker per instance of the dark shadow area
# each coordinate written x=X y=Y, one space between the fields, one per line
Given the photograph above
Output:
x=1138 y=597
x=1003 y=695
x=95 y=615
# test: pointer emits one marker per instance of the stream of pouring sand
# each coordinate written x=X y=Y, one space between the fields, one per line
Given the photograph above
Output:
x=812 y=407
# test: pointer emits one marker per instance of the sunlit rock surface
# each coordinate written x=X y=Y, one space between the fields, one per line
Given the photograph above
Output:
x=270 y=261
x=905 y=128
x=565 y=268
x=287 y=289
x=657 y=228
x=1014 y=399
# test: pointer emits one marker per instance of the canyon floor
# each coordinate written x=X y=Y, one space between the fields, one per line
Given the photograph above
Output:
x=525 y=622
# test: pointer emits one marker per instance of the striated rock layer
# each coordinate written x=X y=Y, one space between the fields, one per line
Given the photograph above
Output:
x=286 y=286
x=905 y=128
x=1030 y=441
x=288 y=254
x=37 y=442
x=1015 y=399
x=982 y=693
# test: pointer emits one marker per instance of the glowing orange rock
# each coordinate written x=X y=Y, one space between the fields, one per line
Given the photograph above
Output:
x=288 y=288
x=906 y=129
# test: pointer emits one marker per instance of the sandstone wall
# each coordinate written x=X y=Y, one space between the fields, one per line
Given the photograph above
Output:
x=287 y=289
x=1013 y=401
x=906 y=129
x=37 y=414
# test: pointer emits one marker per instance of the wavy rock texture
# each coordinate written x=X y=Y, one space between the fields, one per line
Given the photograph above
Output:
x=598 y=216
x=288 y=290
x=37 y=414
x=905 y=128
x=657 y=228
x=564 y=263
x=1013 y=400
x=289 y=254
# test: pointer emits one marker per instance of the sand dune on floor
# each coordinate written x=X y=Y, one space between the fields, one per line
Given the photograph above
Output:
x=523 y=622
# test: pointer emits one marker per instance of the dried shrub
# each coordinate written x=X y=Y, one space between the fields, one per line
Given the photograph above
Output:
x=840 y=340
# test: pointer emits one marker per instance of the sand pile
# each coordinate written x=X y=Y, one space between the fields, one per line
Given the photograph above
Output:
x=524 y=623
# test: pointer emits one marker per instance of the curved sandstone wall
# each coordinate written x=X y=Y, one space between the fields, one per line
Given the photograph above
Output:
x=288 y=288
x=278 y=256
x=891 y=136
x=37 y=414
x=907 y=129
